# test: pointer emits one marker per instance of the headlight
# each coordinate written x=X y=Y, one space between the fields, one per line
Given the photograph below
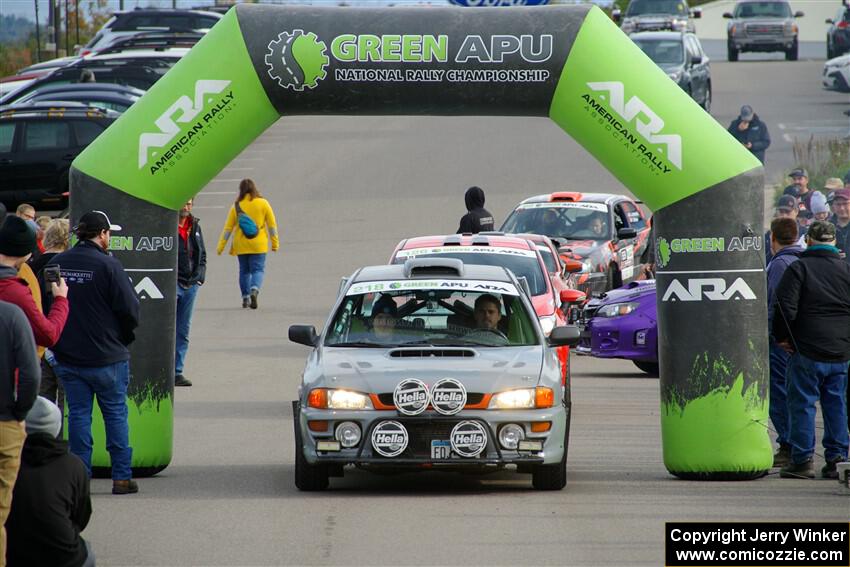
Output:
x=627 y=27
x=322 y=398
x=675 y=76
x=548 y=323
x=679 y=24
x=525 y=398
x=588 y=267
x=616 y=309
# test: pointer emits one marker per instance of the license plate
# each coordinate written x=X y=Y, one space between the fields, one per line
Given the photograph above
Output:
x=441 y=449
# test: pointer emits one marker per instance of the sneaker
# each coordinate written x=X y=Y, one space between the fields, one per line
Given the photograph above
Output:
x=245 y=302
x=798 y=470
x=181 y=380
x=782 y=457
x=254 y=294
x=124 y=487
x=830 y=470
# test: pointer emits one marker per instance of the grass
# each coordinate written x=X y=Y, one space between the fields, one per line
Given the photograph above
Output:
x=822 y=158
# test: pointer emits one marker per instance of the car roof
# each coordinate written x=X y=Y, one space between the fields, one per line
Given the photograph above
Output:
x=397 y=272
x=501 y=240
x=164 y=12
x=54 y=109
x=658 y=35
x=573 y=196
x=90 y=88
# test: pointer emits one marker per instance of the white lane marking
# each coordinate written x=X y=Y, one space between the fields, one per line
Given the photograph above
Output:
x=712 y=271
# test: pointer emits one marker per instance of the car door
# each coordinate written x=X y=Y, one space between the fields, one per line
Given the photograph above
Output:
x=45 y=153
x=624 y=249
x=697 y=69
x=637 y=220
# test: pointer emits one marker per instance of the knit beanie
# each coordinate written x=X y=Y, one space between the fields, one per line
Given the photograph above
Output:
x=17 y=238
x=44 y=417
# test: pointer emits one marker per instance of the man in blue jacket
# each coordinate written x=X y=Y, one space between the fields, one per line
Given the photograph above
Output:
x=751 y=132
x=786 y=250
x=92 y=354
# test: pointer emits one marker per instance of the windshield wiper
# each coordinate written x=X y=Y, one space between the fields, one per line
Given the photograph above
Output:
x=362 y=344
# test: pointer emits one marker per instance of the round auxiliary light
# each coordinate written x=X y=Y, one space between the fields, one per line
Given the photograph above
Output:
x=411 y=397
x=389 y=438
x=348 y=434
x=510 y=435
x=448 y=396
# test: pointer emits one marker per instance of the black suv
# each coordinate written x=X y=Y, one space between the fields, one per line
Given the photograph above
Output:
x=38 y=142
x=838 y=36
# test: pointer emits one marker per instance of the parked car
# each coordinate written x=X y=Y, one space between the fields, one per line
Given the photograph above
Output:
x=763 y=26
x=153 y=41
x=129 y=23
x=100 y=95
x=838 y=35
x=657 y=15
x=680 y=55
x=622 y=323
x=38 y=142
x=836 y=74
x=607 y=233
x=395 y=384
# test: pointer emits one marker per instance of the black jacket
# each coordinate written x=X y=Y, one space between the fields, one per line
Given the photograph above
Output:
x=756 y=134
x=478 y=219
x=813 y=299
x=51 y=505
x=842 y=237
x=17 y=352
x=104 y=308
x=37 y=266
x=191 y=256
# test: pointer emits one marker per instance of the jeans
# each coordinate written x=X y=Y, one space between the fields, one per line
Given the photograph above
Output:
x=252 y=268
x=109 y=384
x=778 y=393
x=808 y=381
x=185 y=304
x=12 y=435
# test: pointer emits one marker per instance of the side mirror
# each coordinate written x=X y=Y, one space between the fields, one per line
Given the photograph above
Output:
x=568 y=335
x=626 y=232
x=573 y=266
x=727 y=15
x=303 y=335
x=799 y=14
x=572 y=296
x=696 y=60
x=697 y=13
x=616 y=15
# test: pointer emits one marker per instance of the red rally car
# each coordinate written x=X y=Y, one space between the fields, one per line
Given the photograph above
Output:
x=608 y=234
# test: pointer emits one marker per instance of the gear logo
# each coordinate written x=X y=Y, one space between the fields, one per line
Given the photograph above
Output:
x=662 y=255
x=297 y=60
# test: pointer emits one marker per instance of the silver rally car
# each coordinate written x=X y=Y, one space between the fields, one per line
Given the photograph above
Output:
x=432 y=365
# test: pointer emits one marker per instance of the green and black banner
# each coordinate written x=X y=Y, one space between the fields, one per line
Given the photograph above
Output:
x=570 y=63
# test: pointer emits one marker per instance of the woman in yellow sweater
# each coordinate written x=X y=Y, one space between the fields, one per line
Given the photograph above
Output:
x=251 y=252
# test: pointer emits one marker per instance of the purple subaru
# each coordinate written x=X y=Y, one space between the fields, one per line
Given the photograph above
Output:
x=622 y=324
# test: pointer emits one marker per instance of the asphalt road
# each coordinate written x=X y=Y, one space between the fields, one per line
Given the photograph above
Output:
x=345 y=191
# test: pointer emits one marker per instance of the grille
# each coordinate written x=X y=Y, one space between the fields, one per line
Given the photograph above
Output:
x=757 y=30
x=422 y=431
x=471 y=399
x=424 y=353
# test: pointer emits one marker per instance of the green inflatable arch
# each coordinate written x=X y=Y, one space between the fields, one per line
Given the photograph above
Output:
x=571 y=64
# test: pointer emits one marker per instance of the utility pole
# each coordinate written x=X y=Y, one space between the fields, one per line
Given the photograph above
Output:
x=77 y=19
x=67 y=38
x=37 y=36
x=57 y=26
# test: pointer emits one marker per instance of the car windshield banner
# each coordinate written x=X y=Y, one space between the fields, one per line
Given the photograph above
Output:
x=476 y=286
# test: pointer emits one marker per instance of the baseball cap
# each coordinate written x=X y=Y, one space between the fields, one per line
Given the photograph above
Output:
x=833 y=184
x=842 y=194
x=798 y=172
x=818 y=203
x=787 y=202
x=95 y=221
x=822 y=231
x=746 y=112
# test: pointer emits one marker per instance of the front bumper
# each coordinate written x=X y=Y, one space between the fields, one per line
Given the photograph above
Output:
x=632 y=337
x=429 y=426
x=763 y=43
x=833 y=80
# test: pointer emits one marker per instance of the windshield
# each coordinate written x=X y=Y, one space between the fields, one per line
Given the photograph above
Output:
x=763 y=10
x=663 y=52
x=574 y=221
x=548 y=258
x=642 y=7
x=523 y=263
x=436 y=312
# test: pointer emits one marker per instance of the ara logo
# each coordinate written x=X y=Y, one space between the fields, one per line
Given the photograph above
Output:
x=186 y=110
x=647 y=122
x=389 y=438
x=146 y=289
x=297 y=60
x=468 y=439
x=713 y=289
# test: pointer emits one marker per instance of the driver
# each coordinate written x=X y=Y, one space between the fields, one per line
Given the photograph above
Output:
x=550 y=223
x=384 y=317
x=597 y=226
x=487 y=312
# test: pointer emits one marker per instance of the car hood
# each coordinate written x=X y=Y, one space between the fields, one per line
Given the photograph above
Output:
x=580 y=249
x=376 y=371
x=839 y=61
x=544 y=304
x=633 y=291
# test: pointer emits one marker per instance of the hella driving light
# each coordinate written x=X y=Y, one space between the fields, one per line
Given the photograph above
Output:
x=348 y=434
x=616 y=309
x=548 y=323
x=510 y=435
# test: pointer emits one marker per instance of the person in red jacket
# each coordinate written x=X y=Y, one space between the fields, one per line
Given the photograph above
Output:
x=17 y=239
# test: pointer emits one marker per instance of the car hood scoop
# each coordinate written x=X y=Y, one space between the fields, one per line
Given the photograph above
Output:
x=431 y=352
